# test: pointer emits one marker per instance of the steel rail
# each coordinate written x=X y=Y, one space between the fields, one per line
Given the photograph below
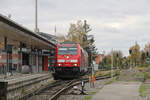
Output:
x=35 y=92
x=68 y=85
x=64 y=89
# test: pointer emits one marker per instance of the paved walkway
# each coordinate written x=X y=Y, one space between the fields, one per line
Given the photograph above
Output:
x=119 y=91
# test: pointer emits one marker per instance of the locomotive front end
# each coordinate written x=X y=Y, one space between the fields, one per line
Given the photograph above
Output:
x=67 y=60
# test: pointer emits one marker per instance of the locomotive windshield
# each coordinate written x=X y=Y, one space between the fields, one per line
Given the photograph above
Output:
x=67 y=50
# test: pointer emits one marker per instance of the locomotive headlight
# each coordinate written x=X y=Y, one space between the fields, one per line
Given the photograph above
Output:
x=61 y=60
x=59 y=64
x=74 y=61
x=75 y=64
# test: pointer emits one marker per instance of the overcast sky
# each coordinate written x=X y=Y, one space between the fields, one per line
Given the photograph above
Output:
x=116 y=24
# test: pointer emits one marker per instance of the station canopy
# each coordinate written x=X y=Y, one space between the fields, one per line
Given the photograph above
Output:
x=17 y=34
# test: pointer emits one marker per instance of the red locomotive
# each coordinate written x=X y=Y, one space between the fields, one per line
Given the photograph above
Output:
x=71 y=60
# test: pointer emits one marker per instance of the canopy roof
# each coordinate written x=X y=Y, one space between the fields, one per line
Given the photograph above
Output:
x=17 y=33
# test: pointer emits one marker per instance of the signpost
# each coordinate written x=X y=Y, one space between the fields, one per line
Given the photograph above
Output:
x=95 y=67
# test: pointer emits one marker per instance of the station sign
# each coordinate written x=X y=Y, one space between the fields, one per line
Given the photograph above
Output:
x=1 y=46
x=46 y=52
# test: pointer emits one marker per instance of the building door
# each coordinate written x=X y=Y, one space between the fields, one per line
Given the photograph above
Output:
x=45 y=63
x=25 y=59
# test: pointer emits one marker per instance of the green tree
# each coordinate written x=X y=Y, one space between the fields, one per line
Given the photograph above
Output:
x=146 y=55
x=79 y=33
x=135 y=54
x=117 y=60
x=147 y=48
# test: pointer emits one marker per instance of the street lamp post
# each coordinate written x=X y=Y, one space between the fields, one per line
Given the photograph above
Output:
x=117 y=61
x=36 y=17
x=130 y=52
x=112 y=64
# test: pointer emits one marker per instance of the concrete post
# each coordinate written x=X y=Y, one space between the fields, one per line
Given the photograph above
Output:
x=20 y=67
x=37 y=60
x=3 y=90
x=31 y=63
x=112 y=64
x=6 y=67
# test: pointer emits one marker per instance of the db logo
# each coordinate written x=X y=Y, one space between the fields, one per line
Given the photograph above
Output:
x=67 y=60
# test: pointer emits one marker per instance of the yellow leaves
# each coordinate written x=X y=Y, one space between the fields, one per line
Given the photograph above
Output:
x=76 y=33
x=147 y=47
x=135 y=54
x=135 y=48
x=117 y=58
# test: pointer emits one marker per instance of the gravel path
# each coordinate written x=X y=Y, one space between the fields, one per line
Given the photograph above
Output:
x=119 y=91
x=88 y=90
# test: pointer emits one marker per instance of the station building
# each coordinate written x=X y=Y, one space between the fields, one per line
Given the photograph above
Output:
x=21 y=47
x=99 y=58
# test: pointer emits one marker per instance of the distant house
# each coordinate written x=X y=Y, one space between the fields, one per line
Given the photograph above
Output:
x=99 y=58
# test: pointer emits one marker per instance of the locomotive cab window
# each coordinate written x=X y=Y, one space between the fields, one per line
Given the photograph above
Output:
x=67 y=50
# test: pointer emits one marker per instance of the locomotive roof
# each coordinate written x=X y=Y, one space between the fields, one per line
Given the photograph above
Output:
x=68 y=42
x=68 y=45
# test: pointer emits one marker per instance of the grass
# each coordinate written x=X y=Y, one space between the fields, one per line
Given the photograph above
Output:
x=92 y=93
x=144 y=76
x=142 y=69
x=102 y=73
x=108 y=72
x=142 y=90
x=89 y=97
x=111 y=81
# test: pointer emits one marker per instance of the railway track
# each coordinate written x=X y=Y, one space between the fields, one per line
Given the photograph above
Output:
x=49 y=91
x=68 y=87
x=54 y=90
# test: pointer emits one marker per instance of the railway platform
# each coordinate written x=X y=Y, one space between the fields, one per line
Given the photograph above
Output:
x=17 y=85
x=16 y=75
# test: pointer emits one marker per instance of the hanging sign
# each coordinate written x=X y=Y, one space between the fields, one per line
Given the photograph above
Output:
x=1 y=46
